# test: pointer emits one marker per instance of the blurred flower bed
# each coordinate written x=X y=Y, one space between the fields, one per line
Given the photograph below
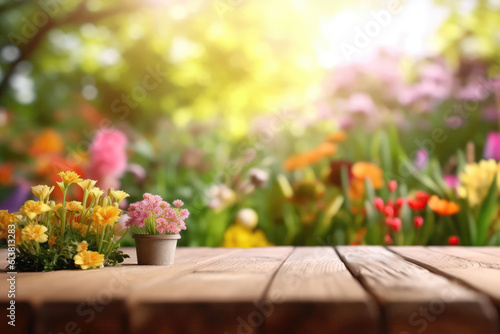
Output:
x=395 y=150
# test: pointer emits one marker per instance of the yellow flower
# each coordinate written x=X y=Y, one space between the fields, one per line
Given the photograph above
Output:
x=74 y=206
x=88 y=259
x=96 y=193
x=70 y=177
x=119 y=195
x=19 y=238
x=82 y=246
x=42 y=192
x=4 y=230
x=80 y=227
x=33 y=209
x=87 y=184
x=7 y=218
x=476 y=179
x=35 y=232
x=52 y=240
x=107 y=215
x=58 y=206
x=241 y=236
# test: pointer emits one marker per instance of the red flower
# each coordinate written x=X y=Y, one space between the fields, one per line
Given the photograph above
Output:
x=393 y=185
x=394 y=223
x=453 y=240
x=419 y=202
x=389 y=211
x=379 y=203
x=418 y=221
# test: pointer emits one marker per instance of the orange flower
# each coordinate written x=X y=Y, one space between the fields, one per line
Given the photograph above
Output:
x=337 y=137
x=49 y=141
x=302 y=160
x=6 y=173
x=52 y=241
x=443 y=207
x=361 y=171
x=326 y=149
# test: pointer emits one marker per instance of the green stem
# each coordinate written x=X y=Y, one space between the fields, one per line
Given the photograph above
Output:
x=63 y=220
x=102 y=239
x=84 y=204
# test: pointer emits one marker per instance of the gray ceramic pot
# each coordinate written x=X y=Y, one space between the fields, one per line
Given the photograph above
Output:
x=157 y=250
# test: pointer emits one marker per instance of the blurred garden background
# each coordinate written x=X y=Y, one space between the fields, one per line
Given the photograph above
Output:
x=276 y=122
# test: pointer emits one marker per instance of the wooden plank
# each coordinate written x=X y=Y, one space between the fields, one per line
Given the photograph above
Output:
x=3 y=258
x=94 y=299
x=314 y=292
x=471 y=266
x=220 y=297
x=495 y=251
x=414 y=299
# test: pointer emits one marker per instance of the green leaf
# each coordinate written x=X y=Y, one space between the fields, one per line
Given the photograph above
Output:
x=369 y=190
x=292 y=222
x=385 y=153
x=486 y=214
x=461 y=161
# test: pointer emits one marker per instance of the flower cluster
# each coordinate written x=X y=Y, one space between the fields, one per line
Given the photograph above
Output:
x=476 y=179
x=67 y=235
x=153 y=215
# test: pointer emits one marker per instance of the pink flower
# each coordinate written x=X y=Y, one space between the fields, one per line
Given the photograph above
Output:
x=452 y=181
x=178 y=203
x=361 y=103
x=108 y=157
x=168 y=220
x=492 y=147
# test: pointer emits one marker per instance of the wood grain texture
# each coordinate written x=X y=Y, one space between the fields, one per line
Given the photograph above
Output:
x=94 y=300
x=269 y=290
x=313 y=292
x=476 y=268
x=220 y=297
x=415 y=300
x=488 y=250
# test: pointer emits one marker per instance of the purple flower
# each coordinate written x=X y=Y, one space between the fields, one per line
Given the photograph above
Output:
x=492 y=148
x=421 y=159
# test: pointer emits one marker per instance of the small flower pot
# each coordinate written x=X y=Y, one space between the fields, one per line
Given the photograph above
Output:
x=156 y=250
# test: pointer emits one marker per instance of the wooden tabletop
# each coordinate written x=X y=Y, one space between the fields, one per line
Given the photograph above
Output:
x=364 y=289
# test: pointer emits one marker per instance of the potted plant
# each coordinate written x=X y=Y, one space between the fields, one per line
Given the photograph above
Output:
x=155 y=226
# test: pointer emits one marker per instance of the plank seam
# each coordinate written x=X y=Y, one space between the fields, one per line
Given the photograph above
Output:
x=382 y=326
x=271 y=280
x=439 y=272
